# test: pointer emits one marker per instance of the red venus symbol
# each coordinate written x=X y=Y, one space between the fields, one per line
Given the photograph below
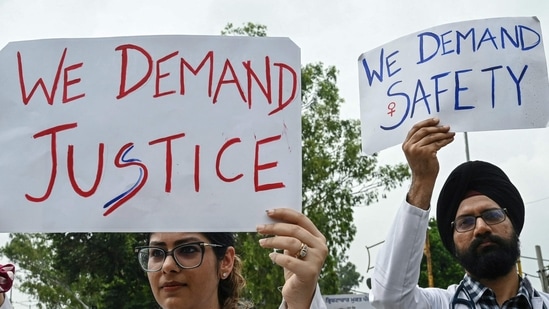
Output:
x=391 y=108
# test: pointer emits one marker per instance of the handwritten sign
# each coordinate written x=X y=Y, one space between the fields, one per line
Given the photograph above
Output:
x=152 y=133
x=477 y=75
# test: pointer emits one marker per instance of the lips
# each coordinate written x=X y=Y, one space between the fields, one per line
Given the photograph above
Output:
x=171 y=285
x=485 y=244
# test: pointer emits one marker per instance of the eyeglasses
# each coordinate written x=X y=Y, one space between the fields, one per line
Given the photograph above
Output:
x=491 y=216
x=186 y=256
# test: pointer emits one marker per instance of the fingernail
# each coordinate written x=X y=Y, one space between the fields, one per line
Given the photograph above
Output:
x=262 y=242
x=272 y=256
x=269 y=211
x=260 y=228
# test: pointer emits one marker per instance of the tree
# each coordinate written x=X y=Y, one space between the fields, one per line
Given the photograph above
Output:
x=80 y=270
x=336 y=178
x=446 y=269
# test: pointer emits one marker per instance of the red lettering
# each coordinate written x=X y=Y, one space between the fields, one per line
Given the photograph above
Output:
x=68 y=83
x=218 y=160
x=184 y=64
x=251 y=73
x=124 y=70
x=72 y=178
x=53 y=132
x=50 y=96
x=282 y=105
x=234 y=80
x=259 y=167
x=157 y=92
x=168 y=140
x=197 y=168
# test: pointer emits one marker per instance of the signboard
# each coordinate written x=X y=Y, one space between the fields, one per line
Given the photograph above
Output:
x=478 y=75
x=347 y=301
x=152 y=133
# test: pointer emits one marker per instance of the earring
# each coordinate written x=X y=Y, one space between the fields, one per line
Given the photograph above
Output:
x=224 y=275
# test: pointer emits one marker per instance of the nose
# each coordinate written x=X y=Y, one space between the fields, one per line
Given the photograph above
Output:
x=169 y=264
x=481 y=227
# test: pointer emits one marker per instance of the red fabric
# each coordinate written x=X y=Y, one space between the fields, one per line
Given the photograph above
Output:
x=7 y=273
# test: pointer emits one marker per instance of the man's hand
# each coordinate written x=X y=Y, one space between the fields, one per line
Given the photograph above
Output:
x=421 y=145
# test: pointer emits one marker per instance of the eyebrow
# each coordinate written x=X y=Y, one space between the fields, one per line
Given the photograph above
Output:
x=178 y=242
x=472 y=215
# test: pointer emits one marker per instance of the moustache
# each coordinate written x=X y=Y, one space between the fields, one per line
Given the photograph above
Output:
x=479 y=240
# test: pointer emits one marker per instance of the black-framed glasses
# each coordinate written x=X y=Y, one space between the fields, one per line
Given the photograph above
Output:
x=189 y=255
x=491 y=216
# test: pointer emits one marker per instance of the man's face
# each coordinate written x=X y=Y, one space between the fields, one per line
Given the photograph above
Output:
x=487 y=251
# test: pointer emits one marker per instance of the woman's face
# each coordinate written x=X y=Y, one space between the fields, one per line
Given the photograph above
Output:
x=174 y=287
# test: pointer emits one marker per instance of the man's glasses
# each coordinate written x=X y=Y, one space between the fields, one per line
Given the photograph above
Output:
x=186 y=256
x=492 y=216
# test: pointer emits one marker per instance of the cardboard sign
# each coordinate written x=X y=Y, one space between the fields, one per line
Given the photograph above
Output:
x=477 y=75
x=153 y=133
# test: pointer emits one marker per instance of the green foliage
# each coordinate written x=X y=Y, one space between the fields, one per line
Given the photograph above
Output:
x=446 y=269
x=348 y=277
x=247 y=29
x=81 y=269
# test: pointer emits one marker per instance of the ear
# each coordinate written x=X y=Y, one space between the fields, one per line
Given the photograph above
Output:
x=227 y=263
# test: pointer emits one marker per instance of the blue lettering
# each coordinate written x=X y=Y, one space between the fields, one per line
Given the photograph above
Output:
x=422 y=57
x=460 y=36
x=492 y=69
x=505 y=34
x=517 y=81
x=420 y=89
x=446 y=42
x=390 y=94
x=487 y=37
x=371 y=74
x=389 y=72
x=458 y=89
x=523 y=34
x=437 y=91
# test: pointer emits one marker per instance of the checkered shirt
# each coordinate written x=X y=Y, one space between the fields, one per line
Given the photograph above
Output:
x=486 y=299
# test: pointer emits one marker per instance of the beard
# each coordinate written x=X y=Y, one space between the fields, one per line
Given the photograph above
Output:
x=492 y=261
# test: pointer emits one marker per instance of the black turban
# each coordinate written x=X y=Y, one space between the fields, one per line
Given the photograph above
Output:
x=484 y=178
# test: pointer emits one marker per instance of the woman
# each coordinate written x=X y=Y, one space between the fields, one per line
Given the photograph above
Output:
x=202 y=270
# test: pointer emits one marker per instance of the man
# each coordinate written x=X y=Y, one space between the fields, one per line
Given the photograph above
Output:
x=480 y=215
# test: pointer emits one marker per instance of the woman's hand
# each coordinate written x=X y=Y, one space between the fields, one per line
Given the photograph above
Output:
x=304 y=253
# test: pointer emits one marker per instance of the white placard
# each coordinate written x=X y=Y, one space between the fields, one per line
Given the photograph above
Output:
x=150 y=133
x=476 y=75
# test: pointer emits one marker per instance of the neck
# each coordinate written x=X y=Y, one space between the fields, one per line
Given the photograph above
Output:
x=505 y=287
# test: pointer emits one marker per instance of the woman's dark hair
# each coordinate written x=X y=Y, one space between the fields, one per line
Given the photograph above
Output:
x=231 y=287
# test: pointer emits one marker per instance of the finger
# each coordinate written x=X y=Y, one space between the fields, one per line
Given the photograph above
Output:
x=430 y=122
x=436 y=139
x=294 y=231
x=290 y=244
x=294 y=217
x=306 y=269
